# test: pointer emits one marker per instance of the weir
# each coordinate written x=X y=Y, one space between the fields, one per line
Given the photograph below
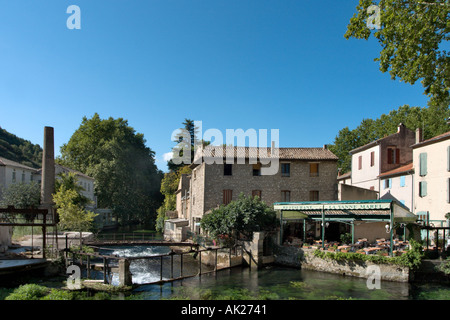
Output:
x=177 y=264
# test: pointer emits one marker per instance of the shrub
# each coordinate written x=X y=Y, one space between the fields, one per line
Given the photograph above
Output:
x=411 y=258
x=28 y=292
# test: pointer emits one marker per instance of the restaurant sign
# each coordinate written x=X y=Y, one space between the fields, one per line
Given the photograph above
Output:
x=334 y=206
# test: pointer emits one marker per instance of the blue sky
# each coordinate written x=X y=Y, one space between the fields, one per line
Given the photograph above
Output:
x=249 y=64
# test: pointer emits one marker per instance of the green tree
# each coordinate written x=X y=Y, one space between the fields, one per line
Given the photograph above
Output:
x=127 y=179
x=69 y=181
x=413 y=35
x=19 y=150
x=22 y=196
x=431 y=119
x=70 y=204
x=244 y=215
x=183 y=143
x=169 y=186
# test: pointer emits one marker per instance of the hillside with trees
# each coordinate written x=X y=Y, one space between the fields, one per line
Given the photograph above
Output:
x=19 y=150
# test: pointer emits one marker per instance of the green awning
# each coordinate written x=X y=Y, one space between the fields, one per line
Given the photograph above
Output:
x=380 y=210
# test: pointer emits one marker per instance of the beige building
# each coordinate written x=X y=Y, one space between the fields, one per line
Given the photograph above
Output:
x=13 y=172
x=432 y=178
x=302 y=174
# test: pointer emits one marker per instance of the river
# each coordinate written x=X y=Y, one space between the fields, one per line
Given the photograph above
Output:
x=274 y=282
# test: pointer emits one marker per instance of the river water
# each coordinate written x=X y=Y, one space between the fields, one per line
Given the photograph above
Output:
x=274 y=282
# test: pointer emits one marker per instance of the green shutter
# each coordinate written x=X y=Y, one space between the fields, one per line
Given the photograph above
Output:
x=448 y=190
x=423 y=188
x=423 y=164
x=448 y=158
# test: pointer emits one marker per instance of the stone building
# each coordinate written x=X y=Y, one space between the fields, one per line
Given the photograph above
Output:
x=301 y=174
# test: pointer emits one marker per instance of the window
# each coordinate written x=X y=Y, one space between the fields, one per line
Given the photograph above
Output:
x=372 y=158
x=23 y=176
x=14 y=176
x=402 y=181
x=393 y=155
x=285 y=169
x=227 y=169
x=313 y=169
x=314 y=195
x=359 y=162
x=227 y=196
x=285 y=196
x=423 y=164
x=387 y=183
x=257 y=169
x=422 y=188
x=256 y=193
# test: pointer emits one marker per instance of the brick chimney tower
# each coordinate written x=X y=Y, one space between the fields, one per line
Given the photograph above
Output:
x=48 y=168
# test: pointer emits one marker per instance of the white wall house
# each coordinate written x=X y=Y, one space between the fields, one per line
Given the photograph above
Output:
x=381 y=156
x=432 y=178
x=13 y=172
x=398 y=184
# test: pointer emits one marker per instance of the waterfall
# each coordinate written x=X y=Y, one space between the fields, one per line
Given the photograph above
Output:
x=142 y=270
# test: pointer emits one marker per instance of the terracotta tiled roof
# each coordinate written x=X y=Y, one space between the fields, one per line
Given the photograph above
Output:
x=345 y=175
x=434 y=139
x=283 y=153
x=402 y=169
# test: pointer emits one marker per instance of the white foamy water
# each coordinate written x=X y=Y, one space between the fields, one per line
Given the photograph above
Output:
x=142 y=270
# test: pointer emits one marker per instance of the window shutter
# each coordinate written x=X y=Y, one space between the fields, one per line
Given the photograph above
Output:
x=389 y=155
x=423 y=164
x=448 y=190
x=397 y=156
x=448 y=158
x=227 y=196
x=360 y=162
x=423 y=188
x=402 y=181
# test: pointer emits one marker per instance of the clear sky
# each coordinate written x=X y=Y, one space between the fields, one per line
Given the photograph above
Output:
x=260 y=64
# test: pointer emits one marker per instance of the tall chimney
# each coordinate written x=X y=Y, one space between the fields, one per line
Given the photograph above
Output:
x=48 y=168
x=419 y=137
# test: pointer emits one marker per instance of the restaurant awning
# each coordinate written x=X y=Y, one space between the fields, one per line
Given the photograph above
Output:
x=369 y=210
x=388 y=210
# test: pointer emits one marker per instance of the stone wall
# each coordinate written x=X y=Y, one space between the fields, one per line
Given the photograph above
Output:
x=304 y=258
x=299 y=183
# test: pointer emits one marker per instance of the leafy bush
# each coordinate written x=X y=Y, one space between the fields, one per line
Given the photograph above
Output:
x=58 y=295
x=445 y=266
x=411 y=258
x=28 y=292
x=244 y=215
